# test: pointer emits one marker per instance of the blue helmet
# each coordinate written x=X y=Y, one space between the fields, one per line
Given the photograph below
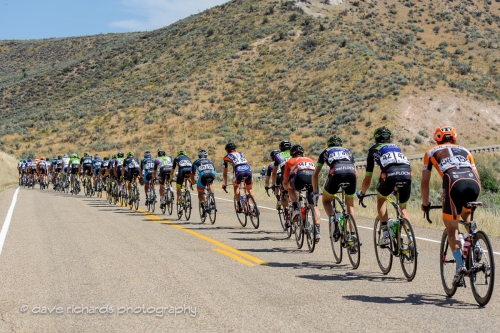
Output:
x=24 y=161
x=29 y=160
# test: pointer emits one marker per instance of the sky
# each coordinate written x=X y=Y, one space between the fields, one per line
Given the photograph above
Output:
x=34 y=19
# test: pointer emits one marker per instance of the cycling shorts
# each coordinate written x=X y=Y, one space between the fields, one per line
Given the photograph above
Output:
x=131 y=173
x=86 y=169
x=203 y=180
x=164 y=175
x=238 y=178
x=74 y=171
x=119 y=171
x=279 y=179
x=65 y=169
x=389 y=178
x=299 y=181
x=459 y=187
x=182 y=174
x=332 y=184
x=58 y=169
x=147 y=176
x=97 y=171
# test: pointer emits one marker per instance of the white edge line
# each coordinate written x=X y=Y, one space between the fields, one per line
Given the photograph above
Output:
x=8 y=218
x=359 y=226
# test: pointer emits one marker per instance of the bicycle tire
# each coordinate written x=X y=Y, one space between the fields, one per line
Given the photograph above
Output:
x=253 y=211
x=447 y=266
x=353 y=250
x=203 y=214
x=408 y=254
x=213 y=208
x=170 y=201
x=281 y=215
x=136 y=194
x=187 y=206
x=310 y=228
x=289 y=230
x=241 y=219
x=179 y=212
x=299 y=228
x=336 y=245
x=383 y=254
x=152 y=202
x=480 y=276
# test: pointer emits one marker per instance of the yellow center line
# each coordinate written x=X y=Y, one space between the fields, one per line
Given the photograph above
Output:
x=235 y=257
x=155 y=218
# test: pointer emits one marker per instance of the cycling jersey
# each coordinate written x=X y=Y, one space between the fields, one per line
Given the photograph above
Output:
x=270 y=168
x=448 y=156
x=184 y=164
x=148 y=165
x=119 y=162
x=131 y=167
x=385 y=155
x=105 y=164
x=74 y=164
x=59 y=165
x=241 y=168
x=281 y=159
x=65 y=161
x=97 y=164
x=164 y=167
x=206 y=170
x=299 y=171
x=342 y=170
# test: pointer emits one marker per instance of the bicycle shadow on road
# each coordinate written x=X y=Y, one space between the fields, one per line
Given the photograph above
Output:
x=275 y=250
x=305 y=264
x=352 y=276
x=415 y=299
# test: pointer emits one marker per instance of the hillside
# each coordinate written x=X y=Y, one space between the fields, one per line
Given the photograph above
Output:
x=257 y=72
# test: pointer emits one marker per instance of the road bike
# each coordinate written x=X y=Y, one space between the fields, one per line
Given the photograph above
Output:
x=151 y=197
x=184 y=204
x=279 y=209
x=245 y=207
x=304 y=224
x=134 y=198
x=87 y=186
x=168 y=199
x=99 y=186
x=349 y=236
x=402 y=239
x=207 y=206
x=76 y=185
x=478 y=257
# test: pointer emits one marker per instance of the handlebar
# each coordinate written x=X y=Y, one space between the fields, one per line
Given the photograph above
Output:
x=226 y=185
x=426 y=212
x=273 y=187
x=364 y=196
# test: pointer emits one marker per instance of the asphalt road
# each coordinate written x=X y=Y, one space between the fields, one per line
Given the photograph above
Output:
x=77 y=264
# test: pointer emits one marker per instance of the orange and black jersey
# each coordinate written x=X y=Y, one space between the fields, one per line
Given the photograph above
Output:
x=447 y=157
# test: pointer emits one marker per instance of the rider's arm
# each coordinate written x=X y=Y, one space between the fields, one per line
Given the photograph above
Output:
x=274 y=173
x=315 y=178
x=286 y=175
x=224 y=170
x=424 y=187
x=370 y=165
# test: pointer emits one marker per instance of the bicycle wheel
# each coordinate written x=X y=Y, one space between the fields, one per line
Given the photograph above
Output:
x=281 y=215
x=299 y=228
x=169 y=201
x=408 y=249
x=289 y=230
x=152 y=201
x=203 y=214
x=179 y=210
x=336 y=245
x=310 y=229
x=187 y=206
x=353 y=245
x=447 y=266
x=253 y=211
x=212 y=208
x=482 y=278
x=242 y=217
x=383 y=253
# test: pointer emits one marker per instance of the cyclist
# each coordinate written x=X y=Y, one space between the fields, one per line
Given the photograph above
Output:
x=342 y=170
x=147 y=172
x=206 y=170
x=96 y=169
x=263 y=172
x=461 y=185
x=74 y=165
x=20 y=168
x=394 y=167
x=269 y=173
x=130 y=172
x=118 y=166
x=277 y=174
x=184 y=163
x=52 y=168
x=65 y=160
x=163 y=167
x=30 y=169
x=297 y=174
x=86 y=165
x=41 y=169
x=104 y=170
x=241 y=169
x=58 y=166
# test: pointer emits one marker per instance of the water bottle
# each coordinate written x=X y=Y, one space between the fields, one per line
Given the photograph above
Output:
x=340 y=220
x=465 y=251
x=303 y=212
x=395 y=227
x=242 y=200
x=390 y=227
x=461 y=237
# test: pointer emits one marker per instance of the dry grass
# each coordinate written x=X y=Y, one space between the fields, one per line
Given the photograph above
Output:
x=9 y=174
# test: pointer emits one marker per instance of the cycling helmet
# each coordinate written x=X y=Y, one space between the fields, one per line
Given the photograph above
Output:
x=161 y=153
x=24 y=161
x=296 y=149
x=120 y=154
x=36 y=160
x=274 y=152
x=445 y=134
x=181 y=152
x=106 y=158
x=74 y=155
x=86 y=154
x=202 y=153
x=114 y=156
x=65 y=156
x=131 y=154
x=285 y=145
x=147 y=154
x=97 y=156
x=59 y=157
x=335 y=141
x=42 y=158
x=29 y=160
x=382 y=134
x=230 y=146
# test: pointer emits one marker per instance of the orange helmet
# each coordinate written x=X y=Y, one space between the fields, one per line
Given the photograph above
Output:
x=442 y=131
x=36 y=160
x=42 y=158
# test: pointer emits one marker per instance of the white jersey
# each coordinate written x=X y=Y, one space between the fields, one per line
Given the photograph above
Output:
x=65 y=161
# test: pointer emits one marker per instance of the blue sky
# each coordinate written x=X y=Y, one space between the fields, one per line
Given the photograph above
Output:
x=33 y=19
